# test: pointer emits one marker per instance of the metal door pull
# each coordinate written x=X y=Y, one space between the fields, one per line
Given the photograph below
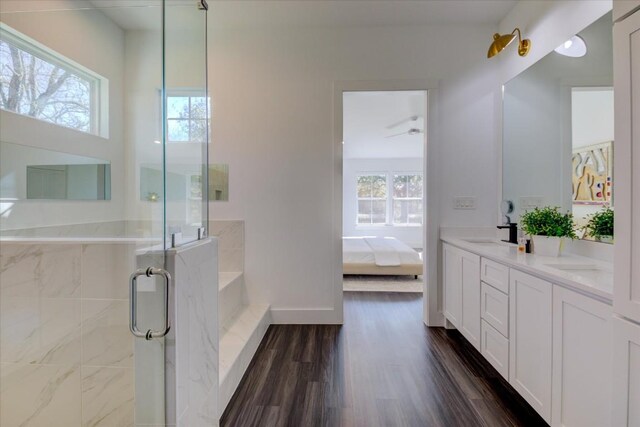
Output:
x=133 y=300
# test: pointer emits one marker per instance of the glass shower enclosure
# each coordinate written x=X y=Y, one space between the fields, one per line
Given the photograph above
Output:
x=104 y=129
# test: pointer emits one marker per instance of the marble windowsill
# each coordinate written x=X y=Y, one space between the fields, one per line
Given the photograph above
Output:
x=597 y=283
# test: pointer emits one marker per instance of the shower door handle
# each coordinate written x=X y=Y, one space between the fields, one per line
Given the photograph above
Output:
x=133 y=301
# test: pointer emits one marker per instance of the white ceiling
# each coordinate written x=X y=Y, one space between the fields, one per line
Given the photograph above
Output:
x=344 y=13
x=140 y=14
x=369 y=118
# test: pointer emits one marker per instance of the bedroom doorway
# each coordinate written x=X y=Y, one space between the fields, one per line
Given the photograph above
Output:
x=383 y=190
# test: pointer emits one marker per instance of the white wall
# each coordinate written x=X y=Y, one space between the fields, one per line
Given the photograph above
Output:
x=97 y=44
x=411 y=235
x=272 y=95
x=592 y=116
x=272 y=122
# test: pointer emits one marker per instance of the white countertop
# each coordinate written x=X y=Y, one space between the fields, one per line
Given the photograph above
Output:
x=587 y=275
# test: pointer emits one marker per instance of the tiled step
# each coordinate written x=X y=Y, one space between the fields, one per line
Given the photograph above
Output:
x=239 y=340
x=230 y=295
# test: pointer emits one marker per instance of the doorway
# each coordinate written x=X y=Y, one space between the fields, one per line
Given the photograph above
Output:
x=383 y=192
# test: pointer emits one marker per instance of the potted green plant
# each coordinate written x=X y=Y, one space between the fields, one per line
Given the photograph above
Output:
x=548 y=227
x=600 y=225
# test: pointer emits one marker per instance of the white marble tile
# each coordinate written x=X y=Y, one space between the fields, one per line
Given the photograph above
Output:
x=40 y=330
x=106 y=339
x=107 y=397
x=47 y=270
x=106 y=269
x=230 y=233
x=39 y=395
x=196 y=334
x=150 y=392
x=231 y=260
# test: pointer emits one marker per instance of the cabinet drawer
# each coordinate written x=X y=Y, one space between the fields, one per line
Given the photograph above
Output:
x=495 y=348
x=494 y=308
x=494 y=274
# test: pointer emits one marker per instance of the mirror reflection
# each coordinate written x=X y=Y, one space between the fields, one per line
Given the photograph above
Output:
x=31 y=173
x=558 y=143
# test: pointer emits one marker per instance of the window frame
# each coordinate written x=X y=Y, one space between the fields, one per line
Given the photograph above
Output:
x=372 y=199
x=99 y=85
x=389 y=200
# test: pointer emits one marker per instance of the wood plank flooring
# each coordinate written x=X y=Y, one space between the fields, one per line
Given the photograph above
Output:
x=383 y=367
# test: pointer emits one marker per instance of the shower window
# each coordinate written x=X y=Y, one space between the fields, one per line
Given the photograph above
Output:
x=37 y=82
x=186 y=118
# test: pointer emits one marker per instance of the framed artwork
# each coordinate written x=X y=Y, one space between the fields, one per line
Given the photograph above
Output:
x=592 y=174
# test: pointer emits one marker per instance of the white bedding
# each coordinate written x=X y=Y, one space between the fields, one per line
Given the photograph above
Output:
x=381 y=251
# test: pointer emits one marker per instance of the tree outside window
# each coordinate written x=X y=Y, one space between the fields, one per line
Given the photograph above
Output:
x=407 y=199
x=186 y=118
x=34 y=83
x=372 y=199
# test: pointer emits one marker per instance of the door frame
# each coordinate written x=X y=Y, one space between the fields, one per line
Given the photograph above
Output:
x=432 y=313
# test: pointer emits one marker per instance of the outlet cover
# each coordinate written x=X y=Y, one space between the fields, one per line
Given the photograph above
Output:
x=530 y=203
x=464 y=203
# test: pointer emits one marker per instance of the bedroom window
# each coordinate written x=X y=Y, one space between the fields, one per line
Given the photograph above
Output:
x=186 y=118
x=40 y=83
x=372 y=199
x=407 y=199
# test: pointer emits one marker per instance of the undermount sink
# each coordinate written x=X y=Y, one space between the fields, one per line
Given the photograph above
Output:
x=574 y=267
x=487 y=242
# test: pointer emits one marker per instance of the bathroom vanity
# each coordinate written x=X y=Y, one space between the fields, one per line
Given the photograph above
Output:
x=544 y=323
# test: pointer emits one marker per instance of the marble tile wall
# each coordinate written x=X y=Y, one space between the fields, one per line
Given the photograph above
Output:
x=230 y=234
x=192 y=346
x=66 y=354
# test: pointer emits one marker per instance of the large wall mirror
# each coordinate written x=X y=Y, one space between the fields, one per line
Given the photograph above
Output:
x=558 y=143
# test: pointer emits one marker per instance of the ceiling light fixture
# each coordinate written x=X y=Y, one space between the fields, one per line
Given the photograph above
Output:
x=504 y=40
x=575 y=47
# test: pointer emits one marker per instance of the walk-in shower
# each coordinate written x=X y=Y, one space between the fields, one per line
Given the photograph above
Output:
x=104 y=118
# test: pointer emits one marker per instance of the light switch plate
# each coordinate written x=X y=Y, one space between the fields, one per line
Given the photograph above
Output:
x=464 y=203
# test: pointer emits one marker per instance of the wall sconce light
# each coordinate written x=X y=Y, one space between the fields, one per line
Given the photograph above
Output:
x=504 y=40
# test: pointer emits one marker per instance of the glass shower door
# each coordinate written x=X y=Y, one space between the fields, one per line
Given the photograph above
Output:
x=103 y=145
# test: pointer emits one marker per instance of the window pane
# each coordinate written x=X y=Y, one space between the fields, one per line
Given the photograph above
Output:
x=414 y=212
x=364 y=186
x=178 y=130
x=400 y=211
x=198 y=107
x=379 y=186
x=37 y=88
x=407 y=211
x=378 y=212
x=399 y=186
x=177 y=107
x=415 y=185
x=198 y=131
x=364 y=212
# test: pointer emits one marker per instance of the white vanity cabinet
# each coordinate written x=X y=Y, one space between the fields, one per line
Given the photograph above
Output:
x=530 y=339
x=582 y=337
x=626 y=294
x=461 y=277
x=452 y=284
x=626 y=373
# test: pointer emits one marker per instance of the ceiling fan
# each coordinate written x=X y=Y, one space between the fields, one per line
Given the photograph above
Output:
x=409 y=119
x=412 y=131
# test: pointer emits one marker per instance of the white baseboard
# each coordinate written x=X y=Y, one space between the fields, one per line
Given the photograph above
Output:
x=311 y=316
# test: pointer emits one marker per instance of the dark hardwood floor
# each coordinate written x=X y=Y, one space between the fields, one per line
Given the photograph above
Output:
x=383 y=367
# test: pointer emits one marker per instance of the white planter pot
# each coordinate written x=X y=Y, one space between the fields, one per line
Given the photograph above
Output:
x=547 y=246
x=605 y=239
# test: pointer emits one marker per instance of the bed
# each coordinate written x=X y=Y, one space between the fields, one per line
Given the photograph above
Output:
x=379 y=256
